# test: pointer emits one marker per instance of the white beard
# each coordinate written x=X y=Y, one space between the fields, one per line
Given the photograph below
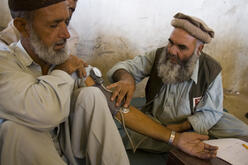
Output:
x=47 y=53
x=175 y=73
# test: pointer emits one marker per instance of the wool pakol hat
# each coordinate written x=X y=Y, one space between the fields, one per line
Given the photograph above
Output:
x=194 y=26
x=29 y=5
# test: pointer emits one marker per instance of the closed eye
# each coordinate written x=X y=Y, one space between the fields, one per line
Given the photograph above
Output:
x=170 y=41
x=182 y=47
x=53 y=25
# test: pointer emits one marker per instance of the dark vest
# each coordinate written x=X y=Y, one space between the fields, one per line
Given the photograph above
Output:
x=208 y=71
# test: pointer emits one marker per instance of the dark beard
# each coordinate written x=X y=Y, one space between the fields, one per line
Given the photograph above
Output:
x=171 y=73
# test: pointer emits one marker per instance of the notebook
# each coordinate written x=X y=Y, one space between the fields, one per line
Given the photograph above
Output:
x=234 y=151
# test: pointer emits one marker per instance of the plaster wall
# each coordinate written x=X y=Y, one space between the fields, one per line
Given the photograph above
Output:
x=114 y=30
x=4 y=14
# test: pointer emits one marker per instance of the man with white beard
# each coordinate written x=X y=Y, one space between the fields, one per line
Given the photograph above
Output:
x=48 y=119
x=38 y=93
x=176 y=71
x=10 y=34
x=184 y=91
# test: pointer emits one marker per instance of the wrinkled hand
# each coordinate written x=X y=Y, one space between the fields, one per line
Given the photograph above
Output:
x=123 y=89
x=192 y=144
x=73 y=64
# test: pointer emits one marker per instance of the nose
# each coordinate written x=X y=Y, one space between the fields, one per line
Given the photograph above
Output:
x=173 y=50
x=72 y=4
x=64 y=33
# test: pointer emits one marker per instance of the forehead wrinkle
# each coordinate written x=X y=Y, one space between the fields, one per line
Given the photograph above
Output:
x=181 y=37
x=53 y=12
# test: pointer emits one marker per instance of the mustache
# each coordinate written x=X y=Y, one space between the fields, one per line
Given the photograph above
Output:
x=177 y=70
x=175 y=58
x=61 y=42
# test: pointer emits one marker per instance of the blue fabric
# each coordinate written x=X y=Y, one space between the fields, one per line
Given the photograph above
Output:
x=1 y=121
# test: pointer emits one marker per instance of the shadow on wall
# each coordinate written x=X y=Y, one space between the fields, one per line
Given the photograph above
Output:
x=233 y=56
x=244 y=79
x=106 y=51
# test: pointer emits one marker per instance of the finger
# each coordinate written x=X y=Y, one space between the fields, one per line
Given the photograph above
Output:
x=210 y=147
x=213 y=152
x=121 y=95
x=128 y=100
x=212 y=155
x=82 y=66
x=204 y=155
x=207 y=152
x=112 y=85
x=208 y=155
x=84 y=63
x=83 y=71
x=80 y=73
x=115 y=93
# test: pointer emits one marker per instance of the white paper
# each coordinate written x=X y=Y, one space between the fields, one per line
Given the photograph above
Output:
x=231 y=150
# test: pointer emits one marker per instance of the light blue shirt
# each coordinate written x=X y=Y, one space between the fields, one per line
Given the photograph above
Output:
x=172 y=104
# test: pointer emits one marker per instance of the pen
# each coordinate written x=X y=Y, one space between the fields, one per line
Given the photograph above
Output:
x=245 y=146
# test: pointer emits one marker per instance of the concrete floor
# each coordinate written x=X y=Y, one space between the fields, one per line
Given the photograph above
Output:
x=237 y=104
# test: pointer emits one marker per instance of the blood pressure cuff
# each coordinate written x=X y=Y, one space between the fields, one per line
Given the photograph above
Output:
x=95 y=74
x=111 y=104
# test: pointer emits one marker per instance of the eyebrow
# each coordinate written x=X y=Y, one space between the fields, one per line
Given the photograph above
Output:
x=179 y=45
x=58 y=20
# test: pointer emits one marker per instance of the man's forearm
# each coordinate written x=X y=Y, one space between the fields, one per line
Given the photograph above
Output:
x=188 y=142
x=122 y=74
x=184 y=126
x=139 y=122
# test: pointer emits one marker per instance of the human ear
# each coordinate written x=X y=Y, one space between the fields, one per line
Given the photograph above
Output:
x=200 y=47
x=22 y=26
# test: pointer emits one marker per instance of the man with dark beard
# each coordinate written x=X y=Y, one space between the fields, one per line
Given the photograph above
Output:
x=184 y=91
x=47 y=118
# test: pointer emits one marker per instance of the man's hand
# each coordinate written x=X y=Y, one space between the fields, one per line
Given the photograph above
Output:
x=192 y=144
x=73 y=64
x=124 y=88
x=184 y=126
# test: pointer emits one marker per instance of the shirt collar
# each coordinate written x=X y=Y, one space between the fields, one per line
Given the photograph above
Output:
x=22 y=54
x=194 y=75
